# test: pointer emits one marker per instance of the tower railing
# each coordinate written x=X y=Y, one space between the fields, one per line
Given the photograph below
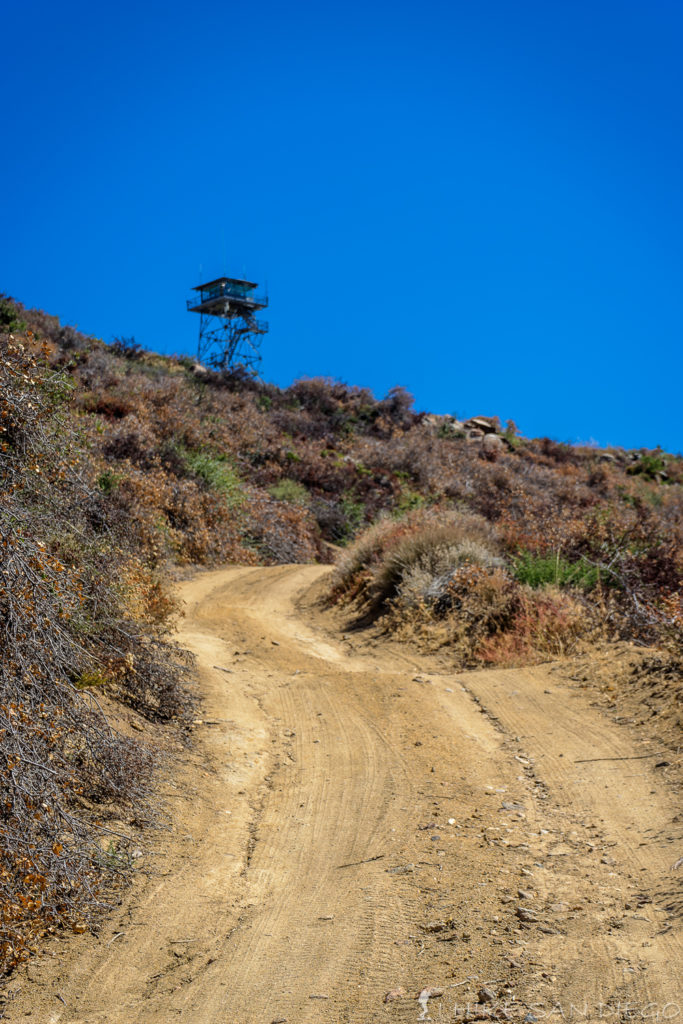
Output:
x=226 y=293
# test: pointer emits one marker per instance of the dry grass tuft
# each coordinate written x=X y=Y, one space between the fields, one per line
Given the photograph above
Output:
x=423 y=541
x=420 y=567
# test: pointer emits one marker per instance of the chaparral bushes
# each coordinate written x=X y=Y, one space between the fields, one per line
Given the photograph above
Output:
x=207 y=467
x=444 y=575
x=80 y=614
x=496 y=592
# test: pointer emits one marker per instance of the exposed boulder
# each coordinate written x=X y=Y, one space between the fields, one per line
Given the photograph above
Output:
x=493 y=443
x=487 y=424
x=444 y=426
x=492 y=446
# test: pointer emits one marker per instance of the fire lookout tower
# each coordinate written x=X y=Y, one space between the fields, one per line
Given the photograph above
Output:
x=229 y=333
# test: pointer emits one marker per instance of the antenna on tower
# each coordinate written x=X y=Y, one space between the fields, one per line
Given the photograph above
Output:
x=229 y=333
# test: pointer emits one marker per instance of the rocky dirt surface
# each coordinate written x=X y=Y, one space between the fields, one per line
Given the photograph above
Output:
x=635 y=686
x=361 y=835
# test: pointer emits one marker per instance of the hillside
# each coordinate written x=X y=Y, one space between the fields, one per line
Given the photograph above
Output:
x=122 y=469
x=207 y=468
x=221 y=457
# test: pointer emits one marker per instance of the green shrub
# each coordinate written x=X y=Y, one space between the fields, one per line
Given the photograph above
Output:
x=217 y=472
x=9 y=321
x=289 y=490
x=90 y=678
x=408 y=500
x=354 y=512
x=652 y=466
x=543 y=570
x=108 y=481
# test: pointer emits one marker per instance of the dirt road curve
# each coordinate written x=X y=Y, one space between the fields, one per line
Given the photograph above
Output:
x=355 y=819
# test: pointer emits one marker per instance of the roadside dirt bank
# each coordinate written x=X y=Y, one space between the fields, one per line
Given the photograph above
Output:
x=357 y=820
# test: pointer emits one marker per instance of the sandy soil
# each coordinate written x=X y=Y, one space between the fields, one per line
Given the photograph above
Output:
x=357 y=820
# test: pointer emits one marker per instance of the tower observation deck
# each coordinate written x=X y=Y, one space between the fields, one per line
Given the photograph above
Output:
x=229 y=332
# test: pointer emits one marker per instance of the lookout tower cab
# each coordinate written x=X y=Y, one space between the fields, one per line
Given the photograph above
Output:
x=229 y=332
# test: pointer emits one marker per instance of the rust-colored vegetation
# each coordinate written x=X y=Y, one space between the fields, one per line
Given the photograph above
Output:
x=80 y=615
x=546 y=561
x=117 y=463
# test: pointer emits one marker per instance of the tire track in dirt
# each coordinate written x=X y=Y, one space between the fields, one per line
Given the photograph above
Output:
x=452 y=800
x=607 y=800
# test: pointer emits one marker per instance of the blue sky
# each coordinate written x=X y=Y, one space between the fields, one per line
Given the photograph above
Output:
x=480 y=201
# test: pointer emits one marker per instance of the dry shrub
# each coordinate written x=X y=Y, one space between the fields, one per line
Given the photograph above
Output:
x=414 y=556
x=546 y=624
x=670 y=612
x=438 y=575
x=486 y=618
x=66 y=633
x=432 y=555
x=430 y=567
x=281 y=532
x=476 y=603
x=356 y=563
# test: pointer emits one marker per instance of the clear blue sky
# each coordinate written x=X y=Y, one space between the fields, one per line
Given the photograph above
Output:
x=480 y=200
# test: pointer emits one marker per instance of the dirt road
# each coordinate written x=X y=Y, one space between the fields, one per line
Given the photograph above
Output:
x=356 y=819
